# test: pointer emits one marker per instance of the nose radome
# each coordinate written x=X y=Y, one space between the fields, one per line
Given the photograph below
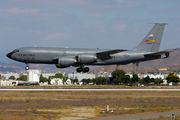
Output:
x=9 y=54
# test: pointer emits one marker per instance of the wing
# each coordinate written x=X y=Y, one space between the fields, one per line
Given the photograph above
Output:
x=106 y=54
x=158 y=54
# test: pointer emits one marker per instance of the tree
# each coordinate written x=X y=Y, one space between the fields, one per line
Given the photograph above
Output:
x=101 y=80
x=12 y=78
x=85 y=81
x=23 y=78
x=117 y=75
x=0 y=76
x=57 y=75
x=158 y=81
x=135 y=78
x=126 y=79
x=137 y=65
x=152 y=79
x=88 y=80
x=43 y=79
x=147 y=80
x=172 y=78
x=94 y=80
x=74 y=80
x=116 y=80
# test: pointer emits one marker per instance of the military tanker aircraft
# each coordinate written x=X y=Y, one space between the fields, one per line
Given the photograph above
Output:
x=147 y=50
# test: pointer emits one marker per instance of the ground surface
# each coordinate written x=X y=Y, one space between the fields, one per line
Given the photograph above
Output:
x=60 y=105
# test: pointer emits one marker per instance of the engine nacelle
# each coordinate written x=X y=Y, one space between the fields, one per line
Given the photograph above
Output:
x=87 y=58
x=65 y=62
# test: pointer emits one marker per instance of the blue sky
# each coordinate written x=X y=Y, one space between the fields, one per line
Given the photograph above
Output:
x=107 y=24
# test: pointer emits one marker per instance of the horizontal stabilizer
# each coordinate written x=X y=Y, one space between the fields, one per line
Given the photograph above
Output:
x=106 y=54
x=157 y=55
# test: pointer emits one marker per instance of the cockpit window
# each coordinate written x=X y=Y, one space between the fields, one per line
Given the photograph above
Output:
x=16 y=51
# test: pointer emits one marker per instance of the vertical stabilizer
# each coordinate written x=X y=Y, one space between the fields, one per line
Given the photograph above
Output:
x=152 y=41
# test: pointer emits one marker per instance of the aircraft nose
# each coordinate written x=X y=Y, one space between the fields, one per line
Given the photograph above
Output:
x=9 y=54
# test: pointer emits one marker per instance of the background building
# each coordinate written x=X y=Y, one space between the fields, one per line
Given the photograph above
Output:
x=80 y=76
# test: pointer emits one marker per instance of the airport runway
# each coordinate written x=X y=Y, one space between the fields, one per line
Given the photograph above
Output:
x=89 y=89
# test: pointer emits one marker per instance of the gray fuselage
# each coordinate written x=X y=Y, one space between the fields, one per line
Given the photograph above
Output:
x=43 y=55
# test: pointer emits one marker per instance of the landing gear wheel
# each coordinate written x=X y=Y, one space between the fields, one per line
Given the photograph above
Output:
x=80 y=69
x=86 y=69
x=27 y=67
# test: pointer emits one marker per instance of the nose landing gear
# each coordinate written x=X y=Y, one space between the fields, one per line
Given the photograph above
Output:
x=82 y=69
x=27 y=67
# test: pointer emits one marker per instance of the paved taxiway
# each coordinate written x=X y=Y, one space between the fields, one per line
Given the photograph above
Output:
x=140 y=116
x=89 y=89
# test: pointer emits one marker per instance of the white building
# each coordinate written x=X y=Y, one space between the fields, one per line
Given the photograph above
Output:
x=56 y=81
x=155 y=76
x=8 y=74
x=68 y=82
x=164 y=82
x=33 y=75
x=80 y=76
x=103 y=74
x=48 y=74
x=7 y=82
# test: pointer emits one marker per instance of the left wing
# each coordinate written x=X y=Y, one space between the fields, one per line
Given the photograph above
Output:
x=106 y=54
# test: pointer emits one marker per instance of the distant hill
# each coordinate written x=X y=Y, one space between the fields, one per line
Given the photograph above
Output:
x=171 y=64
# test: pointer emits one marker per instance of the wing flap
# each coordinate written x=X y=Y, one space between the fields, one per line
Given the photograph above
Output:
x=106 y=54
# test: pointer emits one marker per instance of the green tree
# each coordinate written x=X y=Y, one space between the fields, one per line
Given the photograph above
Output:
x=172 y=78
x=23 y=78
x=88 y=80
x=135 y=78
x=84 y=81
x=12 y=78
x=94 y=80
x=147 y=80
x=126 y=79
x=117 y=75
x=158 y=81
x=116 y=81
x=152 y=79
x=74 y=80
x=0 y=76
x=101 y=80
x=57 y=75
x=43 y=79
x=141 y=81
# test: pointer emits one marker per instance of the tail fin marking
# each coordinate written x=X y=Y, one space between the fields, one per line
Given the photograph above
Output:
x=152 y=41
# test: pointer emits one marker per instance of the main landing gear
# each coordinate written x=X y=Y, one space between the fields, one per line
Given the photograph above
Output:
x=27 y=67
x=82 y=69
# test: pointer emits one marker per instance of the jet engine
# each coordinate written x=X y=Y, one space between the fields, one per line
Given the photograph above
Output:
x=87 y=58
x=65 y=62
